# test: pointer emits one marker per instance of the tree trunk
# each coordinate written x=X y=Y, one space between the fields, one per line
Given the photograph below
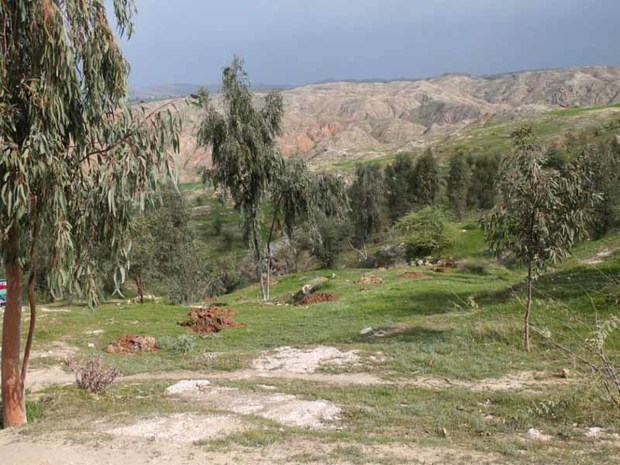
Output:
x=32 y=301
x=528 y=311
x=140 y=288
x=13 y=401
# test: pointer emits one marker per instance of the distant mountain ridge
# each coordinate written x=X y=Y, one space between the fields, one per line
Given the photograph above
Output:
x=168 y=91
x=335 y=121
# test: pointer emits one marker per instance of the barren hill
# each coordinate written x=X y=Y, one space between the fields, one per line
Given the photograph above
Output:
x=341 y=120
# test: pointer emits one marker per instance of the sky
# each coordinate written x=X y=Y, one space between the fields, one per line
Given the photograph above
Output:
x=293 y=42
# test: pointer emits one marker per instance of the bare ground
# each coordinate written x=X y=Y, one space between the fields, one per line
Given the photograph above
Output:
x=169 y=439
x=52 y=450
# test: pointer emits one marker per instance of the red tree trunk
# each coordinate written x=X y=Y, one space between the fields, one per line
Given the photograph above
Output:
x=13 y=401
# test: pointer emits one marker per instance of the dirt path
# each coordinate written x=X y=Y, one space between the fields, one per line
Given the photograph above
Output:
x=306 y=365
x=52 y=450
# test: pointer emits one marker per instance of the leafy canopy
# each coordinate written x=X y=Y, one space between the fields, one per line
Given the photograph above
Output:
x=542 y=212
x=73 y=154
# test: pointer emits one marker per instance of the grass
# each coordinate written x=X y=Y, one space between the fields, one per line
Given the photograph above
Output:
x=463 y=325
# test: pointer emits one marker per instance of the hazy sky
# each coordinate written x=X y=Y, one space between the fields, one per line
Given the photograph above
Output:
x=300 y=41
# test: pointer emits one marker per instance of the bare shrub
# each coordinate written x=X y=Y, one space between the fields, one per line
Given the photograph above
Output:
x=91 y=375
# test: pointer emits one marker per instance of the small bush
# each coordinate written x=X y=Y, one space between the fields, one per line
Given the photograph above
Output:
x=92 y=376
x=425 y=232
x=218 y=225
x=182 y=344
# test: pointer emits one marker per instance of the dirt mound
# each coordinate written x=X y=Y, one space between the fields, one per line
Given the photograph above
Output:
x=288 y=359
x=210 y=320
x=413 y=275
x=369 y=279
x=131 y=344
x=318 y=298
x=283 y=408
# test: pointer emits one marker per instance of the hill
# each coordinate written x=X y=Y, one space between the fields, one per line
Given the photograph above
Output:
x=339 y=122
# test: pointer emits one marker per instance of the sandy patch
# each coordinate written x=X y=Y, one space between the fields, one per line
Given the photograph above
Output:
x=283 y=408
x=288 y=359
x=598 y=258
x=54 y=310
x=181 y=427
x=56 y=349
x=525 y=380
x=39 y=378
x=339 y=379
x=53 y=450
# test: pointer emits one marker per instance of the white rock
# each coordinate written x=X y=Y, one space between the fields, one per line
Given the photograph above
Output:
x=594 y=432
x=365 y=331
x=187 y=387
x=533 y=433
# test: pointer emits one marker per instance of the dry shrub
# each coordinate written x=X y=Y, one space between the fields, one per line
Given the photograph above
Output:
x=209 y=320
x=318 y=298
x=91 y=375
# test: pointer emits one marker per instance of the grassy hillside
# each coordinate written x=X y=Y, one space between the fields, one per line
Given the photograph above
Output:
x=436 y=341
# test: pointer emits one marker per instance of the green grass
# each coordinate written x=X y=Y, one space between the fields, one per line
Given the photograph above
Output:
x=435 y=333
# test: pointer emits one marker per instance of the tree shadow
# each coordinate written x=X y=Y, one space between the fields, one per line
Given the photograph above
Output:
x=564 y=285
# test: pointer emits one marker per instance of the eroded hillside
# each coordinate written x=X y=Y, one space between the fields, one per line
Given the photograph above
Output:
x=340 y=121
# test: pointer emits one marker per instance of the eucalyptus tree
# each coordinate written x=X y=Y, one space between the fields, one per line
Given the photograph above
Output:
x=366 y=196
x=425 y=182
x=399 y=191
x=542 y=212
x=292 y=198
x=74 y=158
x=330 y=229
x=245 y=157
x=457 y=183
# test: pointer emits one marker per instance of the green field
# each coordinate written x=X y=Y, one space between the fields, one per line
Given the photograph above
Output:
x=460 y=327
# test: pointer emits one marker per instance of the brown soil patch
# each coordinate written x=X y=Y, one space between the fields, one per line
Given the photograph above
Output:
x=369 y=279
x=209 y=320
x=131 y=344
x=413 y=275
x=318 y=298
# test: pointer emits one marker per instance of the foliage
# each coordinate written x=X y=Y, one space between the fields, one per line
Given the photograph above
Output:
x=542 y=212
x=182 y=344
x=328 y=239
x=292 y=197
x=75 y=159
x=366 y=197
x=482 y=190
x=91 y=375
x=425 y=232
x=399 y=192
x=224 y=276
x=603 y=161
x=457 y=184
x=244 y=151
x=330 y=232
x=163 y=246
x=604 y=362
x=425 y=180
